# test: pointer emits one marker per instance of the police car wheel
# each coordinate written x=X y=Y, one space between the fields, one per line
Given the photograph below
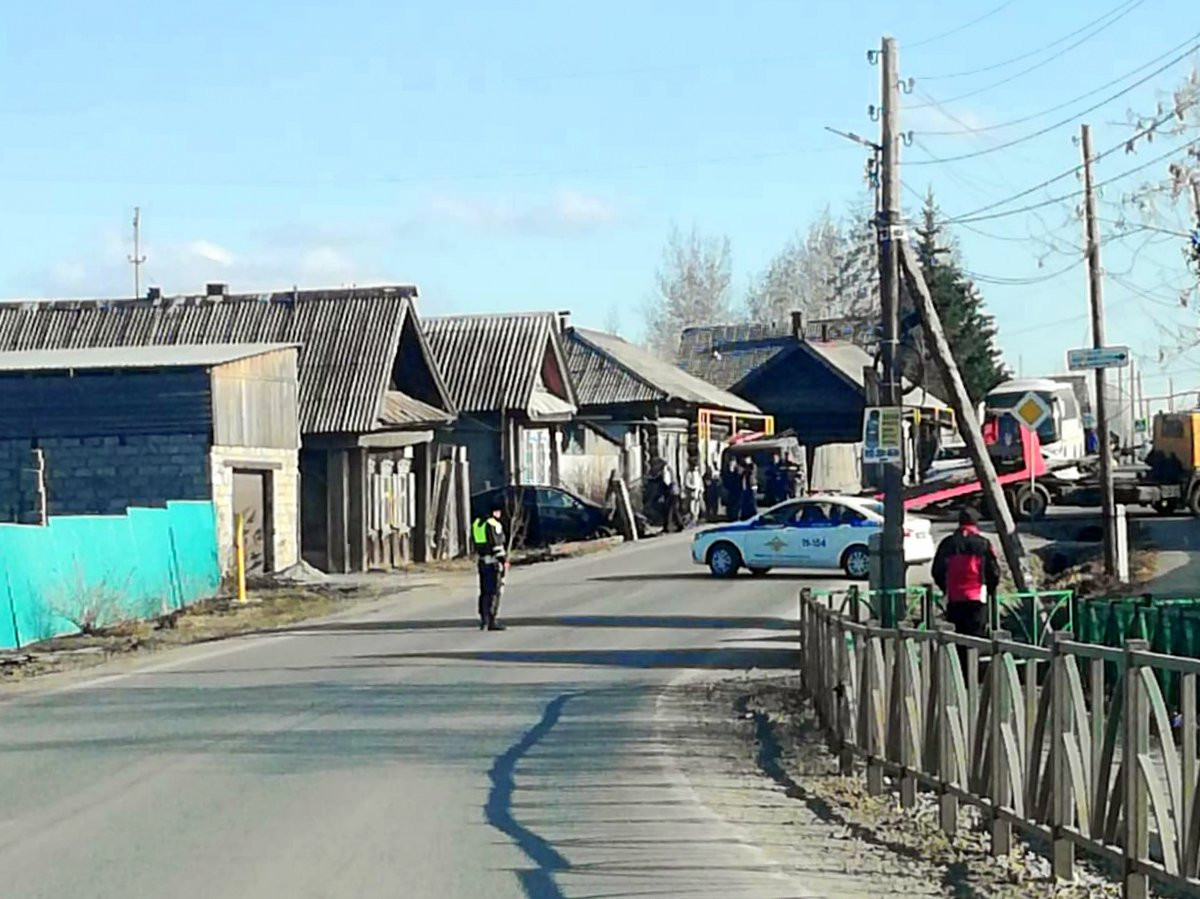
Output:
x=857 y=562
x=724 y=560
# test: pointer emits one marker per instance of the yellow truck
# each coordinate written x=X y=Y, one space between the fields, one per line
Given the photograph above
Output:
x=1172 y=478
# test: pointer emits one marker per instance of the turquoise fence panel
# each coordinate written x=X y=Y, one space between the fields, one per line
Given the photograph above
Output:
x=111 y=567
x=194 y=549
x=154 y=580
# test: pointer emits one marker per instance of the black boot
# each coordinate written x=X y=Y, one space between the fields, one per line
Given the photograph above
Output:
x=495 y=625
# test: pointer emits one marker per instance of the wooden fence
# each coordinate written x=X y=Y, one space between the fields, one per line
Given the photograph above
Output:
x=1037 y=737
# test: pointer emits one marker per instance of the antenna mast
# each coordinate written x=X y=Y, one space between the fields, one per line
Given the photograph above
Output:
x=138 y=258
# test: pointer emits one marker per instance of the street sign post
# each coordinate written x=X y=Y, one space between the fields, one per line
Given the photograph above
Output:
x=883 y=434
x=1098 y=357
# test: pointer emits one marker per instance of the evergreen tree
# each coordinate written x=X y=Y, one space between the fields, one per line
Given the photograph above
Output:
x=970 y=330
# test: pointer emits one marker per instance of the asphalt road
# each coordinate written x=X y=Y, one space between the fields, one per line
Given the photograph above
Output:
x=405 y=753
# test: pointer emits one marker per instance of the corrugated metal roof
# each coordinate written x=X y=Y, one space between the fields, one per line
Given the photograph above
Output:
x=493 y=362
x=190 y=356
x=349 y=338
x=725 y=355
x=729 y=354
x=607 y=369
x=401 y=410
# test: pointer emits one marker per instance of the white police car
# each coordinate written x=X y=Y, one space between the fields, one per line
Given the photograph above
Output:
x=830 y=532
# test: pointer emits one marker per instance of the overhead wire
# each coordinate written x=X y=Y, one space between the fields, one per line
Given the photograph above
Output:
x=964 y=26
x=1192 y=46
x=1028 y=53
x=1128 y=8
x=975 y=215
x=1000 y=281
x=974 y=154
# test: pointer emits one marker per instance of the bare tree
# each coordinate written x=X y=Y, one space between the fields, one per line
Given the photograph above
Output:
x=1169 y=203
x=829 y=272
x=612 y=320
x=691 y=288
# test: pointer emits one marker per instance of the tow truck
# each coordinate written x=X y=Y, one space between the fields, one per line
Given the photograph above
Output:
x=1169 y=478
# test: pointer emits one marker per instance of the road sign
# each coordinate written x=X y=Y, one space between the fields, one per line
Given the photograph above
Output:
x=1098 y=357
x=882 y=434
x=1140 y=426
x=1031 y=411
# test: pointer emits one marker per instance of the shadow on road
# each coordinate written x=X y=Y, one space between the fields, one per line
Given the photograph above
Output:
x=705 y=576
x=539 y=883
x=733 y=659
x=683 y=622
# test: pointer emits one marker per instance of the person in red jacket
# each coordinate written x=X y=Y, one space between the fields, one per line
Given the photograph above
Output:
x=966 y=570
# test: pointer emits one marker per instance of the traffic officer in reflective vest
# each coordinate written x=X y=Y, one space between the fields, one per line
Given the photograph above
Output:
x=488 y=534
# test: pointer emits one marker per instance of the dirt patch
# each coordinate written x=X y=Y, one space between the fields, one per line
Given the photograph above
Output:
x=1079 y=566
x=213 y=619
x=859 y=845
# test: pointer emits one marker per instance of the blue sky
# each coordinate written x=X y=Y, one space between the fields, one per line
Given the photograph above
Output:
x=535 y=155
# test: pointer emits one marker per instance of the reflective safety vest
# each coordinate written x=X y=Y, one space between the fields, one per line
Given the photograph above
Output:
x=479 y=531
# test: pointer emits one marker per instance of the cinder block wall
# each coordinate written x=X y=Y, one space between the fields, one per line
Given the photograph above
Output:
x=284 y=466
x=104 y=475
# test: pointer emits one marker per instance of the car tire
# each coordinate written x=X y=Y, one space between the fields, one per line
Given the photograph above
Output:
x=1166 y=506
x=1194 y=501
x=856 y=562
x=759 y=572
x=724 y=560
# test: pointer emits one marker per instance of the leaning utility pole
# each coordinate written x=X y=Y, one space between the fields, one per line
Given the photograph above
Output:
x=1096 y=297
x=964 y=413
x=891 y=233
x=138 y=258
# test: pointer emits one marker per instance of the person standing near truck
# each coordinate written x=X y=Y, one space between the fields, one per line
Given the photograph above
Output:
x=966 y=570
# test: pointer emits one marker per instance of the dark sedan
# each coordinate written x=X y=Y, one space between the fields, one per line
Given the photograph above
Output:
x=546 y=514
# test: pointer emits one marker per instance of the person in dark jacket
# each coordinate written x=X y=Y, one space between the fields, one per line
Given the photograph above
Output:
x=712 y=494
x=966 y=570
x=731 y=481
x=749 y=489
x=492 y=550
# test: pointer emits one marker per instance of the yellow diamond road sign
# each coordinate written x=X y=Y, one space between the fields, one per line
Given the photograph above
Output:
x=1032 y=410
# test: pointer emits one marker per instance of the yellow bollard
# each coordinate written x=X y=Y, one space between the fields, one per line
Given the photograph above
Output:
x=239 y=543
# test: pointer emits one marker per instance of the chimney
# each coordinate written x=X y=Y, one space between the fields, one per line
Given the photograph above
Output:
x=216 y=289
x=564 y=320
x=154 y=294
x=798 y=324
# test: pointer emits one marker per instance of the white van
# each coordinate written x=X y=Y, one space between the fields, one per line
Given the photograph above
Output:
x=1062 y=434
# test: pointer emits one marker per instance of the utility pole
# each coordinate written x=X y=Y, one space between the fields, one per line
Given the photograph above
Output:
x=138 y=258
x=1096 y=297
x=893 y=569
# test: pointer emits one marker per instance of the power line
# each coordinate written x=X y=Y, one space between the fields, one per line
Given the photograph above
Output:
x=999 y=281
x=6 y=178
x=974 y=215
x=967 y=129
x=964 y=26
x=1073 y=194
x=1042 y=131
x=1023 y=56
x=1130 y=7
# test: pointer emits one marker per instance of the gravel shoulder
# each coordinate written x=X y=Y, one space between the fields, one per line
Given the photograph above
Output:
x=762 y=765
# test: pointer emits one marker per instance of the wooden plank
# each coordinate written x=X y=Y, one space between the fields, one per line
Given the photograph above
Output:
x=964 y=411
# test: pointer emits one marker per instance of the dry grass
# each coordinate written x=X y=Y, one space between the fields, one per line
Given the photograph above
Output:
x=205 y=621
